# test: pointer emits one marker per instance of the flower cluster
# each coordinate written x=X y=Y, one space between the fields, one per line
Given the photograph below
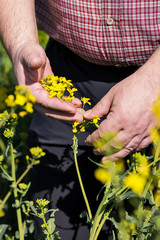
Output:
x=37 y=152
x=137 y=179
x=78 y=127
x=59 y=87
x=22 y=100
x=41 y=203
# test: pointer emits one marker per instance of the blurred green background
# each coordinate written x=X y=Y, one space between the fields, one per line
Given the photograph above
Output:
x=8 y=222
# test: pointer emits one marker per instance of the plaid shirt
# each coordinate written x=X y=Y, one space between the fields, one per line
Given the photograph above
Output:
x=105 y=32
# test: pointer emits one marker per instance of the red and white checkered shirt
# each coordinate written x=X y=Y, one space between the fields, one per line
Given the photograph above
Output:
x=105 y=32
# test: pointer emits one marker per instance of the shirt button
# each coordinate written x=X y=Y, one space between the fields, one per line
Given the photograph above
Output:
x=110 y=21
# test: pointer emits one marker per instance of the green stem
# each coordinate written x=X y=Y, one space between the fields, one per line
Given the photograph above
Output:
x=2 y=146
x=156 y=158
x=103 y=221
x=3 y=170
x=14 y=185
x=48 y=230
x=79 y=176
x=97 y=218
x=15 y=192
x=5 y=199
x=22 y=176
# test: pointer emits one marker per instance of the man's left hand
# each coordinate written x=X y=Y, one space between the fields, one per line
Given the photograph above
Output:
x=128 y=109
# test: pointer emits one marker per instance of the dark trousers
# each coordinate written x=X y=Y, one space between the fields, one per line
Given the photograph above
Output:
x=55 y=177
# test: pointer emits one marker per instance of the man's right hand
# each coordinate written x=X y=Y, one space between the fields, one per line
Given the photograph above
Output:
x=30 y=66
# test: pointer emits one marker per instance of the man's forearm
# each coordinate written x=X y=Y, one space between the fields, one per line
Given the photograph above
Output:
x=17 y=24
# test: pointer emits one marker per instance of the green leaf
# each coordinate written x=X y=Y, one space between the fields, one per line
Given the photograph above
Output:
x=7 y=150
x=84 y=214
x=4 y=176
x=28 y=203
x=51 y=223
x=17 y=234
x=30 y=224
x=127 y=195
x=3 y=229
x=8 y=237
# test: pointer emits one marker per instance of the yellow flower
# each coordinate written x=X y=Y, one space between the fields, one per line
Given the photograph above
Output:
x=29 y=107
x=23 y=186
x=102 y=175
x=71 y=91
x=69 y=99
x=57 y=86
x=8 y=133
x=85 y=100
x=41 y=203
x=37 y=152
x=22 y=114
x=74 y=127
x=142 y=164
x=82 y=128
x=135 y=182
x=14 y=115
x=155 y=135
x=10 y=101
x=31 y=98
x=74 y=130
x=144 y=169
x=2 y=213
x=20 y=100
x=96 y=119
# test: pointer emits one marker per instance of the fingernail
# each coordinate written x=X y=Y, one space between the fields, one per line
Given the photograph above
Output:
x=104 y=160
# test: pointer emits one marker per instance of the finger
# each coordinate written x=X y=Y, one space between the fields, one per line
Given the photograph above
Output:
x=77 y=102
x=131 y=146
x=120 y=141
x=144 y=143
x=61 y=115
x=33 y=57
x=101 y=108
x=42 y=98
x=121 y=154
x=107 y=126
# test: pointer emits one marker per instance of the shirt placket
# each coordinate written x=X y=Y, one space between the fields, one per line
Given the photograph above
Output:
x=114 y=34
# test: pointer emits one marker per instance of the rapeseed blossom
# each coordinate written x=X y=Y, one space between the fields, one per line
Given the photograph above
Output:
x=142 y=164
x=86 y=100
x=58 y=87
x=74 y=127
x=23 y=186
x=155 y=135
x=95 y=119
x=41 y=203
x=8 y=133
x=102 y=175
x=135 y=182
x=37 y=152
x=22 y=101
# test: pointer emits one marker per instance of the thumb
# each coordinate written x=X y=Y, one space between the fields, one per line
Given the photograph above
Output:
x=33 y=57
x=101 y=108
